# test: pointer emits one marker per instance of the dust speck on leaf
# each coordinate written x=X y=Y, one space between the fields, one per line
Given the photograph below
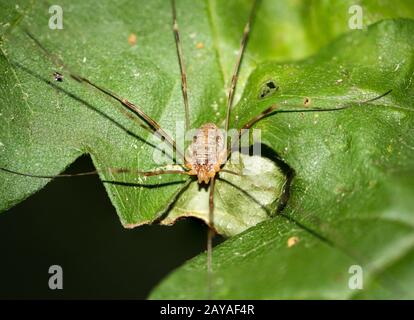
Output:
x=397 y=66
x=292 y=241
x=132 y=39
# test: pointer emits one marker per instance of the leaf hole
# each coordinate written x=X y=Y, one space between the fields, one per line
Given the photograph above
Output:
x=268 y=89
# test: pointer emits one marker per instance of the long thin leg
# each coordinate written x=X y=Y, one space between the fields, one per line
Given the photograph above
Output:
x=136 y=110
x=95 y=172
x=274 y=108
x=210 y=236
x=182 y=66
x=259 y=117
x=234 y=77
x=246 y=193
x=231 y=172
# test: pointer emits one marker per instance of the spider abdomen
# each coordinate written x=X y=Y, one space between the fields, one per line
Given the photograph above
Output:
x=207 y=152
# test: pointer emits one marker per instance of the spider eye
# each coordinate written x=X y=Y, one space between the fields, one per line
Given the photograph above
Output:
x=267 y=89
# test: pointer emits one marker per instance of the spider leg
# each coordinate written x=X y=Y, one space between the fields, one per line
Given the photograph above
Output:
x=275 y=109
x=124 y=102
x=210 y=236
x=95 y=172
x=182 y=66
x=234 y=77
x=231 y=172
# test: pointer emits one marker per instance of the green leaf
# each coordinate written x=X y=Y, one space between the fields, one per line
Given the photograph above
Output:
x=351 y=197
x=45 y=126
x=289 y=30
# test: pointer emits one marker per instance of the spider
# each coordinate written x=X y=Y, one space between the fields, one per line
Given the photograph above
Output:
x=210 y=148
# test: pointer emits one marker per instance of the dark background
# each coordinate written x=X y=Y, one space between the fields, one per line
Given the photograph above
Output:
x=72 y=223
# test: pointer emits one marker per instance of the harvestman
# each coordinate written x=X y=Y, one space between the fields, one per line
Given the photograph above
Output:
x=209 y=150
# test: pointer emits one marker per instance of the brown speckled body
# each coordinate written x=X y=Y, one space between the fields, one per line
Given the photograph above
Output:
x=207 y=153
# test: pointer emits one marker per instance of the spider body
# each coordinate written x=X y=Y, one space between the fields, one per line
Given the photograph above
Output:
x=207 y=152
